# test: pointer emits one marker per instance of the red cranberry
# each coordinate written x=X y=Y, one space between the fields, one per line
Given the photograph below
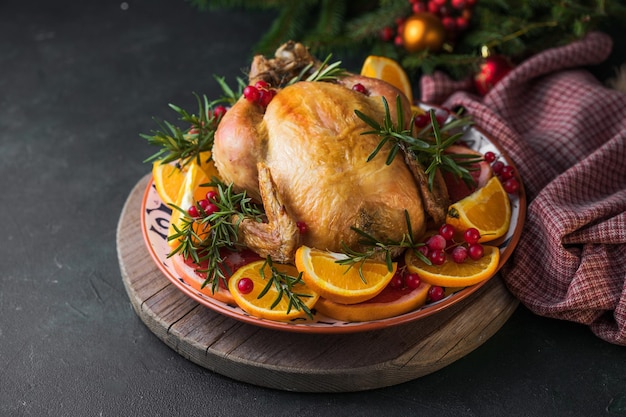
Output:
x=359 y=88
x=490 y=157
x=507 y=172
x=265 y=96
x=193 y=211
x=412 y=280
x=386 y=34
x=471 y=235
x=497 y=167
x=446 y=231
x=436 y=242
x=261 y=85
x=212 y=195
x=302 y=227
x=219 y=111
x=459 y=254
x=397 y=281
x=462 y=23
x=511 y=186
x=442 y=115
x=437 y=257
x=436 y=293
x=251 y=94
x=475 y=251
x=245 y=285
x=421 y=120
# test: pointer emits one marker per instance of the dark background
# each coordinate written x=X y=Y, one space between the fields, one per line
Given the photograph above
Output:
x=79 y=80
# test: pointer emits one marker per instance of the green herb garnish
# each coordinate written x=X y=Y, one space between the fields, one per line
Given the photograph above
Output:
x=376 y=248
x=284 y=284
x=428 y=145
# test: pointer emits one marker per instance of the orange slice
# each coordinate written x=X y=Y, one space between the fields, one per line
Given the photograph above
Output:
x=487 y=209
x=168 y=179
x=388 y=70
x=452 y=274
x=339 y=283
x=190 y=192
x=390 y=302
x=262 y=307
x=208 y=166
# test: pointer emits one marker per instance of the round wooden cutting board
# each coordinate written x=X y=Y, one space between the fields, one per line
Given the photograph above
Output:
x=300 y=361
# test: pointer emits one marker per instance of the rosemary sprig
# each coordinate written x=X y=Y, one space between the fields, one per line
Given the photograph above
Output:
x=428 y=145
x=284 y=284
x=325 y=72
x=389 y=131
x=183 y=145
x=230 y=96
x=375 y=248
x=222 y=225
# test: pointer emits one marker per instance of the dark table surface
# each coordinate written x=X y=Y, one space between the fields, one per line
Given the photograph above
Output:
x=79 y=80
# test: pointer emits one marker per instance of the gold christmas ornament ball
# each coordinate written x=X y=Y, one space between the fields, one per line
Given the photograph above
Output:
x=423 y=31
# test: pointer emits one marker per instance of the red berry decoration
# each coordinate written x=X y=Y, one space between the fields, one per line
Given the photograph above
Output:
x=511 y=186
x=446 y=231
x=471 y=235
x=193 y=211
x=436 y=293
x=437 y=257
x=219 y=111
x=419 y=7
x=475 y=251
x=459 y=254
x=412 y=280
x=265 y=96
x=261 y=85
x=507 y=172
x=386 y=34
x=251 y=94
x=397 y=281
x=497 y=167
x=442 y=115
x=489 y=157
x=421 y=120
x=436 y=243
x=245 y=285
x=259 y=93
x=212 y=195
x=302 y=227
x=423 y=250
x=492 y=70
x=359 y=88
x=208 y=207
x=459 y=4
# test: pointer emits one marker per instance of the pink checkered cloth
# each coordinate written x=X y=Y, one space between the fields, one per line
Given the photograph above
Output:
x=566 y=133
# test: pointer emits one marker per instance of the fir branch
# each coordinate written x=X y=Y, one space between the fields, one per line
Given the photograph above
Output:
x=290 y=24
x=515 y=28
x=330 y=20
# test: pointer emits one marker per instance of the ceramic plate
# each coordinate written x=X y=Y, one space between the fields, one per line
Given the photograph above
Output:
x=155 y=217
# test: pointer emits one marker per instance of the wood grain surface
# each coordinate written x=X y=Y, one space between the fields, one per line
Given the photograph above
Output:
x=299 y=361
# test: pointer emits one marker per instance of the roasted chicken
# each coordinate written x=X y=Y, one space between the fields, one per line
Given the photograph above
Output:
x=304 y=157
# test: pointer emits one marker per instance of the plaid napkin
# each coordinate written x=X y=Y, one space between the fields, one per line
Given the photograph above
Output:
x=566 y=134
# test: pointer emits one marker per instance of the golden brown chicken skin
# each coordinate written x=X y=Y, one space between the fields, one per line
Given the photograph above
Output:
x=310 y=141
